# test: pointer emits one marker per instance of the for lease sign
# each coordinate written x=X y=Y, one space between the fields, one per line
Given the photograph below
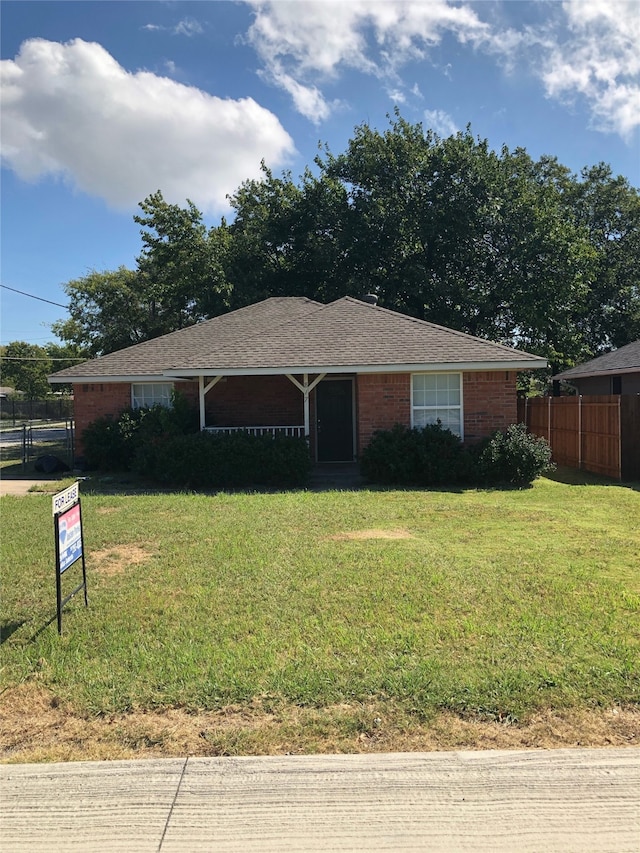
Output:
x=65 y=499
x=69 y=537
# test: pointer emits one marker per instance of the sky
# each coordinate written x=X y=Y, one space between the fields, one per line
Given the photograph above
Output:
x=104 y=103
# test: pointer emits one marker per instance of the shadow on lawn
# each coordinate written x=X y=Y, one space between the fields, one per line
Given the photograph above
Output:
x=576 y=477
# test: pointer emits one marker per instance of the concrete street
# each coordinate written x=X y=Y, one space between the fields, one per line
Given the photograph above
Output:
x=557 y=800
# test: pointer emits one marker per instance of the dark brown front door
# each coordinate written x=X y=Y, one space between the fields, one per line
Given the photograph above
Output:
x=334 y=412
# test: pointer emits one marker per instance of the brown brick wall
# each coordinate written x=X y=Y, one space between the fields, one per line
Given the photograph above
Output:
x=382 y=400
x=254 y=401
x=96 y=400
x=490 y=402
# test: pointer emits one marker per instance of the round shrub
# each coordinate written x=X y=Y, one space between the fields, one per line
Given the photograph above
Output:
x=514 y=457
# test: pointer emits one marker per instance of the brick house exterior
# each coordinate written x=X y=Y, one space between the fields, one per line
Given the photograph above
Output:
x=335 y=373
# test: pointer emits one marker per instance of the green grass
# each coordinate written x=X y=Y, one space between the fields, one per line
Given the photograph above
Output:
x=498 y=604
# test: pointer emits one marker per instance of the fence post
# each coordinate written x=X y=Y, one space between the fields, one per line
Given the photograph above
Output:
x=619 y=438
x=549 y=421
x=24 y=447
x=580 y=431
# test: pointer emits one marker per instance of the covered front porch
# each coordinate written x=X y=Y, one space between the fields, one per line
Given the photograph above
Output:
x=319 y=407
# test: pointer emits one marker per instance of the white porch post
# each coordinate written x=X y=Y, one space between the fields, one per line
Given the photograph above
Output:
x=305 y=403
x=306 y=389
x=202 y=392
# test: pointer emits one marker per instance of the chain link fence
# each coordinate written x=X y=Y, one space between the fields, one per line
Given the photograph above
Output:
x=50 y=447
x=16 y=411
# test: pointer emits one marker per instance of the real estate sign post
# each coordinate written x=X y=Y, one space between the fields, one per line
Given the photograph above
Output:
x=67 y=525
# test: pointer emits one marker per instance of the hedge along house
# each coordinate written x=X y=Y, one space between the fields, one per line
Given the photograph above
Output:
x=334 y=373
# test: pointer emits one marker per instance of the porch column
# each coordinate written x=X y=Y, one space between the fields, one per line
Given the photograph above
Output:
x=306 y=389
x=202 y=392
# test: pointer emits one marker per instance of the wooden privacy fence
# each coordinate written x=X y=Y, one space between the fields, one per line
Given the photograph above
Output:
x=596 y=433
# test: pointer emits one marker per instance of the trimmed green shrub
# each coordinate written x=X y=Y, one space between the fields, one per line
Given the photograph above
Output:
x=514 y=457
x=234 y=460
x=429 y=456
x=106 y=446
x=434 y=456
x=112 y=444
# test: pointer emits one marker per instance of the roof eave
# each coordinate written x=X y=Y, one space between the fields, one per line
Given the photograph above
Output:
x=567 y=376
x=83 y=379
x=414 y=367
x=191 y=373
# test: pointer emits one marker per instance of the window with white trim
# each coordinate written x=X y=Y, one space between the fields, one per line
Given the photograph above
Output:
x=144 y=395
x=437 y=397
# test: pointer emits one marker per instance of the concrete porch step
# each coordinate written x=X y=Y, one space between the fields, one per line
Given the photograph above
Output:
x=336 y=475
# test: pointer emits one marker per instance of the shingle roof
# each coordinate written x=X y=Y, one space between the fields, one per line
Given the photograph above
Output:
x=623 y=360
x=289 y=333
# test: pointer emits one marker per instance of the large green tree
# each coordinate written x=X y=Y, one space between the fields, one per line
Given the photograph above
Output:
x=109 y=311
x=448 y=230
x=182 y=263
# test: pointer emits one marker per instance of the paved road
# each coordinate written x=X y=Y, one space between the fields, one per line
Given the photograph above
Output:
x=39 y=434
x=557 y=800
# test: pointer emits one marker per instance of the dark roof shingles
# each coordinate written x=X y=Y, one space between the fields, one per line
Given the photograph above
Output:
x=625 y=358
x=297 y=332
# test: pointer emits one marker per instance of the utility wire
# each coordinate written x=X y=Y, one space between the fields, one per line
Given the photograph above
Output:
x=33 y=358
x=23 y=293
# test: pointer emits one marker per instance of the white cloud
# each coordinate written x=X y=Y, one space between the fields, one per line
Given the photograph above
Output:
x=188 y=27
x=600 y=61
x=440 y=122
x=70 y=110
x=308 y=100
x=313 y=41
x=584 y=48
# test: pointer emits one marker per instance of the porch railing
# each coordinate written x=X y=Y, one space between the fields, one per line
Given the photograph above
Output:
x=295 y=431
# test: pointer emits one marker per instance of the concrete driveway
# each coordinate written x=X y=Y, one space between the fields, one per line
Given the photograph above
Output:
x=20 y=485
x=557 y=800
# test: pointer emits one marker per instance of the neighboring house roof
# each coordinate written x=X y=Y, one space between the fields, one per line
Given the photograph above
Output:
x=623 y=360
x=298 y=335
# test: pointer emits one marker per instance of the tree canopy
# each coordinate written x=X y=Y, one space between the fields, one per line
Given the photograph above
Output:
x=445 y=229
x=25 y=367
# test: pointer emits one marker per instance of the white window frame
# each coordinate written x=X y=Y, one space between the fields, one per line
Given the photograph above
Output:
x=459 y=407
x=149 y=397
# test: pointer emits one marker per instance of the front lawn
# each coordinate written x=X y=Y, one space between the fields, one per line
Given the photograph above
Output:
x=400 y=605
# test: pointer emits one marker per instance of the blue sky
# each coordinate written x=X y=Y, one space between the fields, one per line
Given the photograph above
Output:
x=106 y=102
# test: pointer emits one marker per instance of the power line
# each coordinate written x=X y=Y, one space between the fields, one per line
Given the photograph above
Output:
x=23 y=293
x=34 y=358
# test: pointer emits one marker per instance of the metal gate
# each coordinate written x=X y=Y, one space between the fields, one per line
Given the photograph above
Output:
x=27 y=443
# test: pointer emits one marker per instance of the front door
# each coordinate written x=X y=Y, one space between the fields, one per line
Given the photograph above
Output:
x=334 y=420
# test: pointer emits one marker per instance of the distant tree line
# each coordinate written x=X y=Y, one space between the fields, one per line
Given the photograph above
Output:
x=494 y=244
x=24 y=367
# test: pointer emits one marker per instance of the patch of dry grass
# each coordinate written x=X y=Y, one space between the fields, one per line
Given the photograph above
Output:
x=115 y=560
x=35 y=725
x=363 y=535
